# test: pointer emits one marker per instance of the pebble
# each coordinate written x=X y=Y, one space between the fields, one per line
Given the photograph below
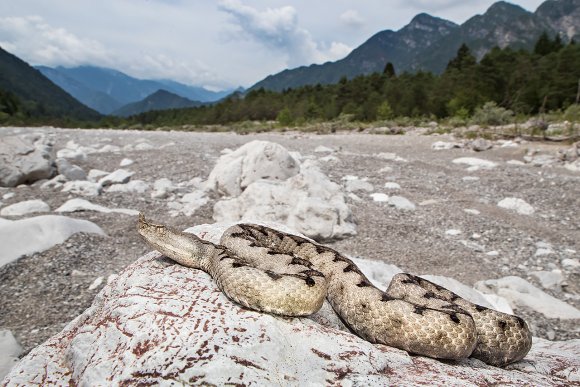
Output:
x=472 y=211
x=453 y=232
x=391 y=185
x=126 y=162
x=96 y=283
x=380 y=197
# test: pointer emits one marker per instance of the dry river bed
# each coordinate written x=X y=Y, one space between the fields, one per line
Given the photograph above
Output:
x=41 y=293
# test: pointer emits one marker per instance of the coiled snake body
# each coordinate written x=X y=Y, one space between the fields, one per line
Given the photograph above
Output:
x=275 y=272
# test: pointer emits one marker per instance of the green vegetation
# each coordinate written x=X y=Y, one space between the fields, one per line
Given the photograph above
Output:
x=504 y=84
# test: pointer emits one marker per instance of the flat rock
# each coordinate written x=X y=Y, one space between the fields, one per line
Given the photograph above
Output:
x=120 y=176
x=353 y=185
x=549 y=279
x=518 y=205
x=474 y=163
x=481 y=144
x=135 y=334
x=76 y=205
x=521 y=293
x=126 y=162
x=379 y=197
x=25 y=159
x=392 y=185
x=134 y=186
x=24 y=208
x=401 y=203
x=82 y=187
x=95 y=175
x=70 y=171
x=10 y=350
x=443 y=145
x=32 y=235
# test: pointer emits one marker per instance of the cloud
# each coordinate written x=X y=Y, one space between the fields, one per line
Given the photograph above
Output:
x=32 y=39
x=352 y=18
x=278 y=29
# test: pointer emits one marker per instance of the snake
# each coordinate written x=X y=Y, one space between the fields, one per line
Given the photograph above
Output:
x=275 y=272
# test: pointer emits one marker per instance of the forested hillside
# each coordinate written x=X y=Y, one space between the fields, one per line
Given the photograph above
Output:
x=545 y=79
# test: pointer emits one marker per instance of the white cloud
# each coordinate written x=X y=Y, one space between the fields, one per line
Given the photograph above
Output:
x=352 y=18
x=31 y=38
x=278 y=29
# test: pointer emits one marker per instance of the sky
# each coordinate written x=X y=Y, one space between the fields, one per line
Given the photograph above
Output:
x=216 y=44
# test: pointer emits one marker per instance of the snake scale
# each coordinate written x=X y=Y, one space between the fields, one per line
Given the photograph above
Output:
x=271 y=271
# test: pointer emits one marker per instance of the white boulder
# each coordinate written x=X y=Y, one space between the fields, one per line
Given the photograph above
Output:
x=120 y=176
x=75 y=205
x=521 y=293
x=518 y=205
x=9 y=352
x=307 y=202
x=95 y=175
x=32 y=235
x=401 y=203
x=134 y=186
x=163 y=188
x=549 y=279
x=199 y=336
x=443 y=145
x=82 y=187
x=25 y=159
x=126 y=162
x=25 y=207
x=379 y=197
x=256 y=160
x=474 y=163
x=70 y=171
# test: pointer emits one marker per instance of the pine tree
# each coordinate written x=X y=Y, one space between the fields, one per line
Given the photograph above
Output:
x=389 y=70
x=462 y=60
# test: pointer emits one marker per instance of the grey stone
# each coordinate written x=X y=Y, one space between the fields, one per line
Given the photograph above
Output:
x=25 y=159
x=70 y=171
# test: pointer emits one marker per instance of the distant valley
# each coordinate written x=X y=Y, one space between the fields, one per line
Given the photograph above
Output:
x=107 y=91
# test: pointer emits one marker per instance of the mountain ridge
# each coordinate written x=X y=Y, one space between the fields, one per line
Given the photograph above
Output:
x=412 y=49
x=106 y=90
x=159 y=100
x=37 y=95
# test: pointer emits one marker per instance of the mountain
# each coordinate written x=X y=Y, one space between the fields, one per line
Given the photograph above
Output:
x=38 y=95
x=563 y=16
x=428 y=43
x=504 y=24
x=398 y=47
x=107 y=90
x=160 y=100
x=98 y=100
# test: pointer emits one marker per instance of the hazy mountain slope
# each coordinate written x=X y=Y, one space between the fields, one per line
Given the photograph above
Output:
x=160 y=100
x=39 y=95
x=107 y=90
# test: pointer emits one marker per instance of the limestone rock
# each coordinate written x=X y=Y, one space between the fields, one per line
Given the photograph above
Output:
x=27 y=236
x=133 y=334
x=25 y=159
x=82 y=187
x=120 y=176
x=518 y=205
x=523 y=294
x=134 y=186
x=70 y=171
x=401 y=203
x=481 y=144
x=256 y=160
x=307 y=202
x=25 y=207
x=75 y=205
x=10 y=350
x=474 y=163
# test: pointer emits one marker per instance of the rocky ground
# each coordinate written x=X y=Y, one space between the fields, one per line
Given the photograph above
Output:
x=42 y=292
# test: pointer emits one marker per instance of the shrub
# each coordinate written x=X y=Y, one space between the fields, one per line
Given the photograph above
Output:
x=491 y=114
